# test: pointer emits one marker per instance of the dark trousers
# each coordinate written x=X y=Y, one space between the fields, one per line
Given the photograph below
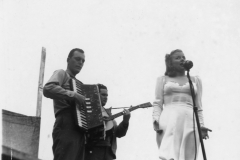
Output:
x=98 y=153
x=68 y=139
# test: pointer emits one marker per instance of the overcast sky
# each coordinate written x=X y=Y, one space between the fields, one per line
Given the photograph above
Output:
x=125 y=43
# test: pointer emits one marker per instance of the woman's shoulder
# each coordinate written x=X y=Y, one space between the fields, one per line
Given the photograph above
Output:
x=196 y=79
x=161 y=78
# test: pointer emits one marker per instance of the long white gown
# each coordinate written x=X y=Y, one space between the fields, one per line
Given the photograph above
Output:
x=173 y=110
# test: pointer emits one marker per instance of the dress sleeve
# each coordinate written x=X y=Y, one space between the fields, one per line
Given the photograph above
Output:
x=158 y=102
x=198 y=100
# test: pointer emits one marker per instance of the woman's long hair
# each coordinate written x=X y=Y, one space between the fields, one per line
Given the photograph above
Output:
x=171 y=71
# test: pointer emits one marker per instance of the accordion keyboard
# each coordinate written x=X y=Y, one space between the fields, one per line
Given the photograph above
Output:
x=89 y=115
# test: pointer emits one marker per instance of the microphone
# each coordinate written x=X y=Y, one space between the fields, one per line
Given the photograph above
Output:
x=187 y=65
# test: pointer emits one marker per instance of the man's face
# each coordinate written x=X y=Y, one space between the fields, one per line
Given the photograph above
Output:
x=104 y=96
x=75 y=63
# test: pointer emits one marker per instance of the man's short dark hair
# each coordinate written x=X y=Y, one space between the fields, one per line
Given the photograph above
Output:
x=101 y=86
x=73 y=50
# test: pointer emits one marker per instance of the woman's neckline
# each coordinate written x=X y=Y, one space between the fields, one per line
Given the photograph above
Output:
x=171 y=79
x=181 y=85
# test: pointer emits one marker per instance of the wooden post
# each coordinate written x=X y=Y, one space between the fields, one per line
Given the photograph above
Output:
x=40 y=83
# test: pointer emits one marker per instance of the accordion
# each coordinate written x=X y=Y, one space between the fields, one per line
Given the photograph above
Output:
x=89 y=116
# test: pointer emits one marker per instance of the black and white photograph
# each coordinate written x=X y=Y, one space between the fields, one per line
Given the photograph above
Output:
x=124 y=80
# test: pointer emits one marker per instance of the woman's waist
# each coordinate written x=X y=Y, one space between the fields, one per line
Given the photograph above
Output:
x=178 y=100
x=178 y=104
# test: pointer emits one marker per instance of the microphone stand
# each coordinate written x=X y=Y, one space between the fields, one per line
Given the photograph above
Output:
x=195 y=109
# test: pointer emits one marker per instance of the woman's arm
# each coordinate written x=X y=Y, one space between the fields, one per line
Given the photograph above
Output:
x=198 y=100
x=158 y=102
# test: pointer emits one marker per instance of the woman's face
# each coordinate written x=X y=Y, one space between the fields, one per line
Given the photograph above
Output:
x=177 y=60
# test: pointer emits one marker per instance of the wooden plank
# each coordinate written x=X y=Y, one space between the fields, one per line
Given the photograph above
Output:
x=40 y=83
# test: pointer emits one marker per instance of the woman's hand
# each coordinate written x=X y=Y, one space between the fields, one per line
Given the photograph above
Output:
x=156 y=127
x=204 y=131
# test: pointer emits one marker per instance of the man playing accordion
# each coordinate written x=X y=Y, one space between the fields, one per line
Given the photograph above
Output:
x=68 y=139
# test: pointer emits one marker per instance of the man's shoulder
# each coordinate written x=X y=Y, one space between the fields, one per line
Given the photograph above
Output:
x=59 y=76
x=60 y=71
